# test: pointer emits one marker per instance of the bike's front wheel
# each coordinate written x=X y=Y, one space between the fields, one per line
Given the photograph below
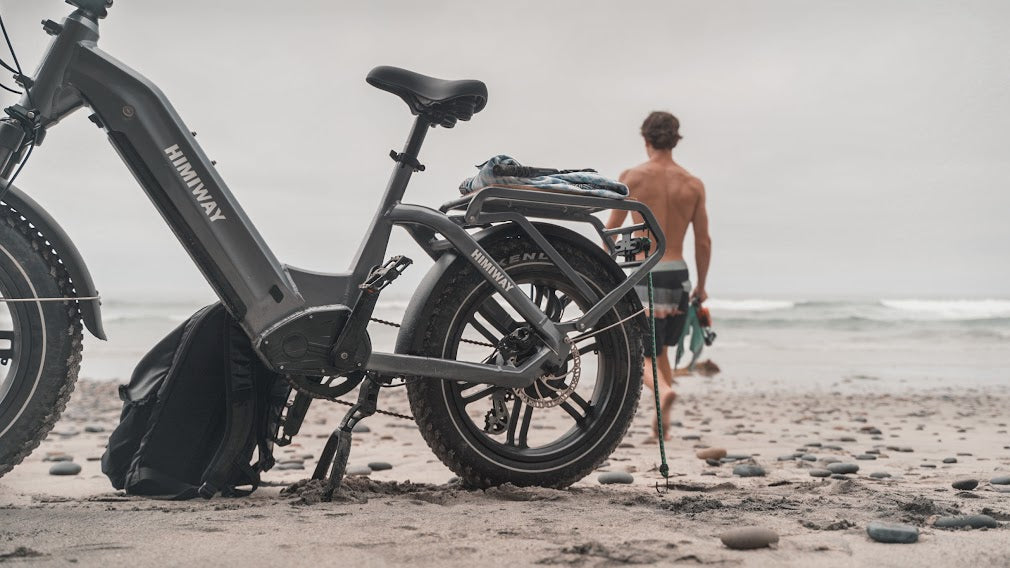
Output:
x=558 y=430
x=40 y=342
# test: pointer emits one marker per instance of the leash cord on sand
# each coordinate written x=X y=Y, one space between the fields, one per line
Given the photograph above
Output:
x=664 y=469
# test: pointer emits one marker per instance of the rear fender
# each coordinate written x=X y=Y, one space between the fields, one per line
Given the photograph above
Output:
x=411 y=337
x=68 y=254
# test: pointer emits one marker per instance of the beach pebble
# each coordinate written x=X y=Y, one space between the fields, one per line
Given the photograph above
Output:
x=358 y=470
x=710 y=472
x=712 y=462
x=289 y=465
x=892 y=533
x=840 y=476
x=93 y=428
x=747 y=538
x=788 y=457
x=949 y=460
x=843 y=467
x=820 y=473
x=612 y=477
x=928 y=465
x=67 y=432
x=65 y=468
x=846 y=439
x=711 y=453
x=1000 y=480
x=808 y=457
x=880 y=474
x=58 y=458
x=749 y=470
x=905 y=449
x=833 y=447
x=866 y=457
x=828 y=460
x=972 y=521
x=380 y=466
x=965 y=484
x=360 y=428
x=690 y=437
x=736 y=457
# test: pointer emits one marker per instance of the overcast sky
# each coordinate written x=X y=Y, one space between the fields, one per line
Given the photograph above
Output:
x=850 y=149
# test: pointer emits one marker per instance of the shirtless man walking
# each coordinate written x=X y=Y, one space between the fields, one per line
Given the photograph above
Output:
x=677 y=199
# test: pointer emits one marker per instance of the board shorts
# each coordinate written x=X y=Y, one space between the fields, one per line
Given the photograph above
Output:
x=671 y=284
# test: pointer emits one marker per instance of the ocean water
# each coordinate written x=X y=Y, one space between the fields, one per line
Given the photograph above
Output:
x=885 y=344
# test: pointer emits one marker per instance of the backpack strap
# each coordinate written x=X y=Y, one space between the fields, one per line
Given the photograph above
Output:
x=240 y=404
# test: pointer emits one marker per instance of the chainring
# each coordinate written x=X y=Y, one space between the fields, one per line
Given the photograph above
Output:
x=328 y=387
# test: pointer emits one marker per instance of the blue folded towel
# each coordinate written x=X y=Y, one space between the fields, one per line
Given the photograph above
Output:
x=577 y=182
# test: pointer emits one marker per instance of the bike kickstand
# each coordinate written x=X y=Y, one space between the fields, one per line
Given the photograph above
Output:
x=338 y=446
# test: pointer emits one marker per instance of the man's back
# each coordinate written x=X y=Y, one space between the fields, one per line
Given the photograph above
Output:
x=674 y=196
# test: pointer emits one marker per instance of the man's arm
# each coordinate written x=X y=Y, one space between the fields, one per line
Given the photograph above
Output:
x=702 y=243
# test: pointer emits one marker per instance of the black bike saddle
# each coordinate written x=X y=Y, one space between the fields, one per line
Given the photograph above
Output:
x=443 y=102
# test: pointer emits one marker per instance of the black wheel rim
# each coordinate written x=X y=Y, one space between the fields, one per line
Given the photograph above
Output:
x=590 y=410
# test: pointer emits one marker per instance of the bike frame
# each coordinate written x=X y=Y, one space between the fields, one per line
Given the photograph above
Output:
x=259 y=291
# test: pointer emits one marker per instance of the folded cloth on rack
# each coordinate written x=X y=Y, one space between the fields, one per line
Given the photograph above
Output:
x=582 y=182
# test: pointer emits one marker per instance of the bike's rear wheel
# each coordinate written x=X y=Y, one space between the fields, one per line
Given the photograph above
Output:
x=551 y=446
x=40 y=342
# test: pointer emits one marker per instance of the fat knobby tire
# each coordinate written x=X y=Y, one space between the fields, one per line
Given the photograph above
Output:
x=60 y=325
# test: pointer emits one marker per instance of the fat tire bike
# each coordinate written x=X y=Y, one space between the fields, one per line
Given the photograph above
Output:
x=518 y=317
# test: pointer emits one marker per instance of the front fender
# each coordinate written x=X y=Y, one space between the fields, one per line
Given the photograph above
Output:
x=91 y=311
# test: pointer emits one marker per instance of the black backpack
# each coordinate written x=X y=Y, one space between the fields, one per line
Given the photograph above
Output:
x=198 y=405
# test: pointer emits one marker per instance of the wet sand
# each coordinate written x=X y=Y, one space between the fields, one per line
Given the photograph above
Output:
x=413 y=514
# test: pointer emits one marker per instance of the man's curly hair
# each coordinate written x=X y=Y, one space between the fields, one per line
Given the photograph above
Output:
x=661 y=130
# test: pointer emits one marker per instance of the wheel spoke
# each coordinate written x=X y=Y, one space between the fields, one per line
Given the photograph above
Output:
x=487 y=333
x=573 y=412
x=524 y=427
x=581 y=402
x=497 y=317
x=483 y=393
x=510 y=438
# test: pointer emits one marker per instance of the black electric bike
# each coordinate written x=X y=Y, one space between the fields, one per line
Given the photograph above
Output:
x=515 y=319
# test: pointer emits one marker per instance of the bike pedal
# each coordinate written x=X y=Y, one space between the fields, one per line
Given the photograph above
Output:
x=382 y=276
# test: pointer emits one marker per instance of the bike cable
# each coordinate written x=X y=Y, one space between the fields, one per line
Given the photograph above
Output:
x=31 y=131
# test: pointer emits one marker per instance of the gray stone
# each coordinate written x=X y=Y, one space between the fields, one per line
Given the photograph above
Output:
x=969 y=521
x=808 y=457
x=358 y=470
x=711 y=461
x=819 y=473
x=833 y=447
x=737 y=457
x=928 y=465
x=380 y=466
x=360 y=428
x=787 y=457
x=866 y=457
x=58 y=458
x=846 y=439
x=747 y=538
x=749 y=470
x=65 y=468
x=289 y=465
x=1000 y=480
x=93 y=428
x=949 y=460
x=843 y=467
x=892 y=533
x=880 y=475
x=965 y=484
x=840 y=476
x=690 y=437
x=612 y=477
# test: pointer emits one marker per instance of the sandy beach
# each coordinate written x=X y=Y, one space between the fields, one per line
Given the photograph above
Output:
x=414 y=513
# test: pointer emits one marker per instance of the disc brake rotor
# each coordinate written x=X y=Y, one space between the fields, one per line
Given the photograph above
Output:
x=550 y=390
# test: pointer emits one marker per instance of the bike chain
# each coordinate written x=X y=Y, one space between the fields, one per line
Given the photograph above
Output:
x=380 y=411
